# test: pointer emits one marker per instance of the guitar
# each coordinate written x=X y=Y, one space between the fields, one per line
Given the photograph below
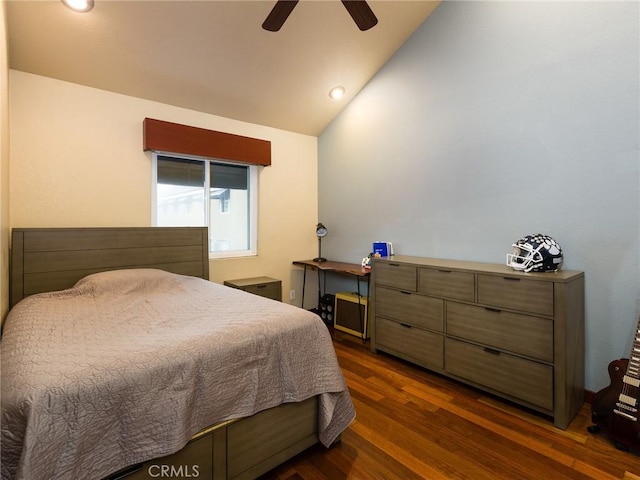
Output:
x=614 y=409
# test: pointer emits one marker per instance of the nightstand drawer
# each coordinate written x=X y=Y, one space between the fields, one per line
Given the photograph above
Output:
x=522 y=379
x=523 y=334
x=395 y=275
x=517 y=293
x=412 y=343
x=447 y=283
x=411 y=308
x=264 y=286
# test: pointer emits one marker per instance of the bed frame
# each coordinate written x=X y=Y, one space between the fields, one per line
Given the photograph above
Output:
x=47 y=259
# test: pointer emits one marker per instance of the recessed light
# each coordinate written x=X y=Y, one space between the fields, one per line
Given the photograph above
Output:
x=79 y=5
x=336 y=92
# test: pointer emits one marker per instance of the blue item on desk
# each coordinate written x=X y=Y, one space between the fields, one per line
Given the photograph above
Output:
x=384 y=249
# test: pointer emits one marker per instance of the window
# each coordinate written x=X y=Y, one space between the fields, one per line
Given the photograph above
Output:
x=192 y=191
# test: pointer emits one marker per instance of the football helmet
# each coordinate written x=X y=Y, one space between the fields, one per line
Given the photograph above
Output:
x=535 y=253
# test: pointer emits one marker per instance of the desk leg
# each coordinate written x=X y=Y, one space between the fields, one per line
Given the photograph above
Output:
x=320 y=290
x=304 y=281
x=363 y=334
x=363 y=320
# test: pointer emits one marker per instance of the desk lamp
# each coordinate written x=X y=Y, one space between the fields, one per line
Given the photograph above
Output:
x=321 y=231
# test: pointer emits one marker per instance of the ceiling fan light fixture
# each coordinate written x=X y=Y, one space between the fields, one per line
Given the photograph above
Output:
x=79 y=5
x=336 y=92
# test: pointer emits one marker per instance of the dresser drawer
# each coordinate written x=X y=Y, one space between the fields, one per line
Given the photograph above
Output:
x=446 y=283
x=526 y=380
x=523 y=334
x=415 y=344
x=411 y=308
x=395 y=275
x=517 y=293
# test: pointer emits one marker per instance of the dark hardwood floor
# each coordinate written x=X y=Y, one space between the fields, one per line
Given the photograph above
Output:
x=413 y=424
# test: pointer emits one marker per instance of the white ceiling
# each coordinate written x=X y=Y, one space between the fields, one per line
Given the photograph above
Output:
x=214 y=56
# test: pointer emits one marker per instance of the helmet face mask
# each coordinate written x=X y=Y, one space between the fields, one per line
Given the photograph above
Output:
x=535 y=253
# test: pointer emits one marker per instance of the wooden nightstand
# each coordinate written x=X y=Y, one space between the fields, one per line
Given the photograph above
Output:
x=264 y=286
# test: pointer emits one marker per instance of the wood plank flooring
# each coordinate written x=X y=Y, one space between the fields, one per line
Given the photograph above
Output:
x=413 y=424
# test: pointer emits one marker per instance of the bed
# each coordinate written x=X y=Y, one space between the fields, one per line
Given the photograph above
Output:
x=120 y=360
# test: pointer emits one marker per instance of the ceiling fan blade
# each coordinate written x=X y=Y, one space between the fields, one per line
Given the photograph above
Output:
x=361 y=13
x=279 y=14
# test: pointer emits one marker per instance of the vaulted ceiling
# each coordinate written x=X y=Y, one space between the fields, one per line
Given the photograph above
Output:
x=214 y=56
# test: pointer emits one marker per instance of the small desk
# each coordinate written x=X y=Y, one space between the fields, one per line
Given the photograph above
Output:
x=338 y=267
x=333 y=267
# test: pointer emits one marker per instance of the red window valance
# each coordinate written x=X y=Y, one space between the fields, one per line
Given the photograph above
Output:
x=161 y=136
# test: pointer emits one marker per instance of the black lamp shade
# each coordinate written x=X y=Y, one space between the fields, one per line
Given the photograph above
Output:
x=321 y=231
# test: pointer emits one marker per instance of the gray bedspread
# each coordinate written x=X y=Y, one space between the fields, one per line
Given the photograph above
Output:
x=128 y=365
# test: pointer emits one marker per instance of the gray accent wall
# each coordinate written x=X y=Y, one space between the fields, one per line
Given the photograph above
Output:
x=495 y=120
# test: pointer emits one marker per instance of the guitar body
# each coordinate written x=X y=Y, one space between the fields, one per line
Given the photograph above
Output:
x=604 y=401
x=622 y=429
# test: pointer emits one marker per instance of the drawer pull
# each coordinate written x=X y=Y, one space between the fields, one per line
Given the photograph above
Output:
x=405 y=293
x=405 y=325
x=444 y=271
x=492 y=351
x=511 y=279
x=261 y=286
x=495 y=310
x=394 y=264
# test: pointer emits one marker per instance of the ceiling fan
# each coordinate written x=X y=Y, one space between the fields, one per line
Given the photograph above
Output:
x=358 y=9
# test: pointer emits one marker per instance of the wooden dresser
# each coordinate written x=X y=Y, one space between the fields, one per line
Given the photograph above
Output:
x=516 y=335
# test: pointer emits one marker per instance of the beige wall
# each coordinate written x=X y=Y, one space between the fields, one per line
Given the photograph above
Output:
x=4 y=167
x=77 y=160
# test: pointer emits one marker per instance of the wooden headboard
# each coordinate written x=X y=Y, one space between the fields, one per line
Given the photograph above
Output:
x=48 y=259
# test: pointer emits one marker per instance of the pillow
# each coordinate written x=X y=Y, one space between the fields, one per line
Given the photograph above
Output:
x=126 y=281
